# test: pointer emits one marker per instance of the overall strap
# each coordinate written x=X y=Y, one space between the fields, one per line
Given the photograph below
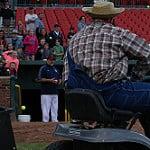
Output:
x=71 y=63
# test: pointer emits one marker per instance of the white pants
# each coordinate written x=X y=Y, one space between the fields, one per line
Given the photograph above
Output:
x=31 y=26
x=49 y=104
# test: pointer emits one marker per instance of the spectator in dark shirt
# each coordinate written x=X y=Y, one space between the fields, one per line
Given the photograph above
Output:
x=2 y=38
x=38 y=55
x=55 y=35
x=7 y=14
x=70 y=34
x=2 y=66
x=46 y=51
x=43 y=35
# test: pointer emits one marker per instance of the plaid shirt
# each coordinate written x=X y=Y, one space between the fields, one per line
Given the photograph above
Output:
x=103 y=50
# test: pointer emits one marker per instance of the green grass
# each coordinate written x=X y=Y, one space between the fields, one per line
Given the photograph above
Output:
x=33 y=146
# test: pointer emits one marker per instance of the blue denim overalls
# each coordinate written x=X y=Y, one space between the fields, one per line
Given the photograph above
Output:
x=123 y=94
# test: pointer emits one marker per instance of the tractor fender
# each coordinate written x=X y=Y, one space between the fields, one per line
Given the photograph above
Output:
x=101 y=135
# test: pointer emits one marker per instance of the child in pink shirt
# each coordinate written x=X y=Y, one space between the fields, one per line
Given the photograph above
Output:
x=31 y=45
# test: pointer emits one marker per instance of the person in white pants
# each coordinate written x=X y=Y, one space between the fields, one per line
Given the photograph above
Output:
x=50 y=78
x=49 y=104
x=30 y=18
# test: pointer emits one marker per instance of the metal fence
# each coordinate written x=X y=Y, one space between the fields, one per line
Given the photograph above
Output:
x=131 y=3
x=49 y=3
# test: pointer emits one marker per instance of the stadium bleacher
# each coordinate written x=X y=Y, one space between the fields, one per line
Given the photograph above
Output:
x=135 y=20
x=80 y=2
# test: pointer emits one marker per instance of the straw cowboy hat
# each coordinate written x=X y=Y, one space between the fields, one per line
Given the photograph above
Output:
x=103 y=10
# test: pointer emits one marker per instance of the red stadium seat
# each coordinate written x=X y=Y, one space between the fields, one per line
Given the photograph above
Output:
x=71 y=17
x=135 y=20
x=62 y=20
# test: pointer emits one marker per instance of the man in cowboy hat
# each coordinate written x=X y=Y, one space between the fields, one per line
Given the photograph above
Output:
x=101 y=50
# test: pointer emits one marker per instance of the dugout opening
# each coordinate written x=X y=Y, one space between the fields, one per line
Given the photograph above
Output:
x=31 y=98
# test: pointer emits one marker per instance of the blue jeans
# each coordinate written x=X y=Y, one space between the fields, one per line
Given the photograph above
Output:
x=124 y=95
x=127 y=95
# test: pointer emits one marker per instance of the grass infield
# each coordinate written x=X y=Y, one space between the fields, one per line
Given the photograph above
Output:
x=33 y=146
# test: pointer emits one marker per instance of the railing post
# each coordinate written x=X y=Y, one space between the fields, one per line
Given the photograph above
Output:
x=13 y=93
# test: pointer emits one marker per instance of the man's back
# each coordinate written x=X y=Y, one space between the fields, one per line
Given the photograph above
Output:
x=101 y=49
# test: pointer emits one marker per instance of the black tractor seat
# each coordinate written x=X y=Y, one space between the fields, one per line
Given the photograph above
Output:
x=111 y=134
x=87 y=105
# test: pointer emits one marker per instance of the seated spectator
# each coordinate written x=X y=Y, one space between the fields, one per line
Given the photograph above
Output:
x=38 y=55
x=30 y=19
x=9 y=47
x=9 y=57
x=20 y=27
x=2 y=38
x=31 y=45
x=54 y=35
x=3 y=70
x=58 y=51
x=70 y=34
x=7 y=15
x=46 y=51
x=14 y=37
x=17 y=40
x=12 y=69
x=43 y=35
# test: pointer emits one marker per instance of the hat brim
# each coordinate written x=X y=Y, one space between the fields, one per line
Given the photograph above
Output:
x=111 y=13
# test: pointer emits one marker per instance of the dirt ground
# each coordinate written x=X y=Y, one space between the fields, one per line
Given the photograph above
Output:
x=38 y=132
x=34 y=132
